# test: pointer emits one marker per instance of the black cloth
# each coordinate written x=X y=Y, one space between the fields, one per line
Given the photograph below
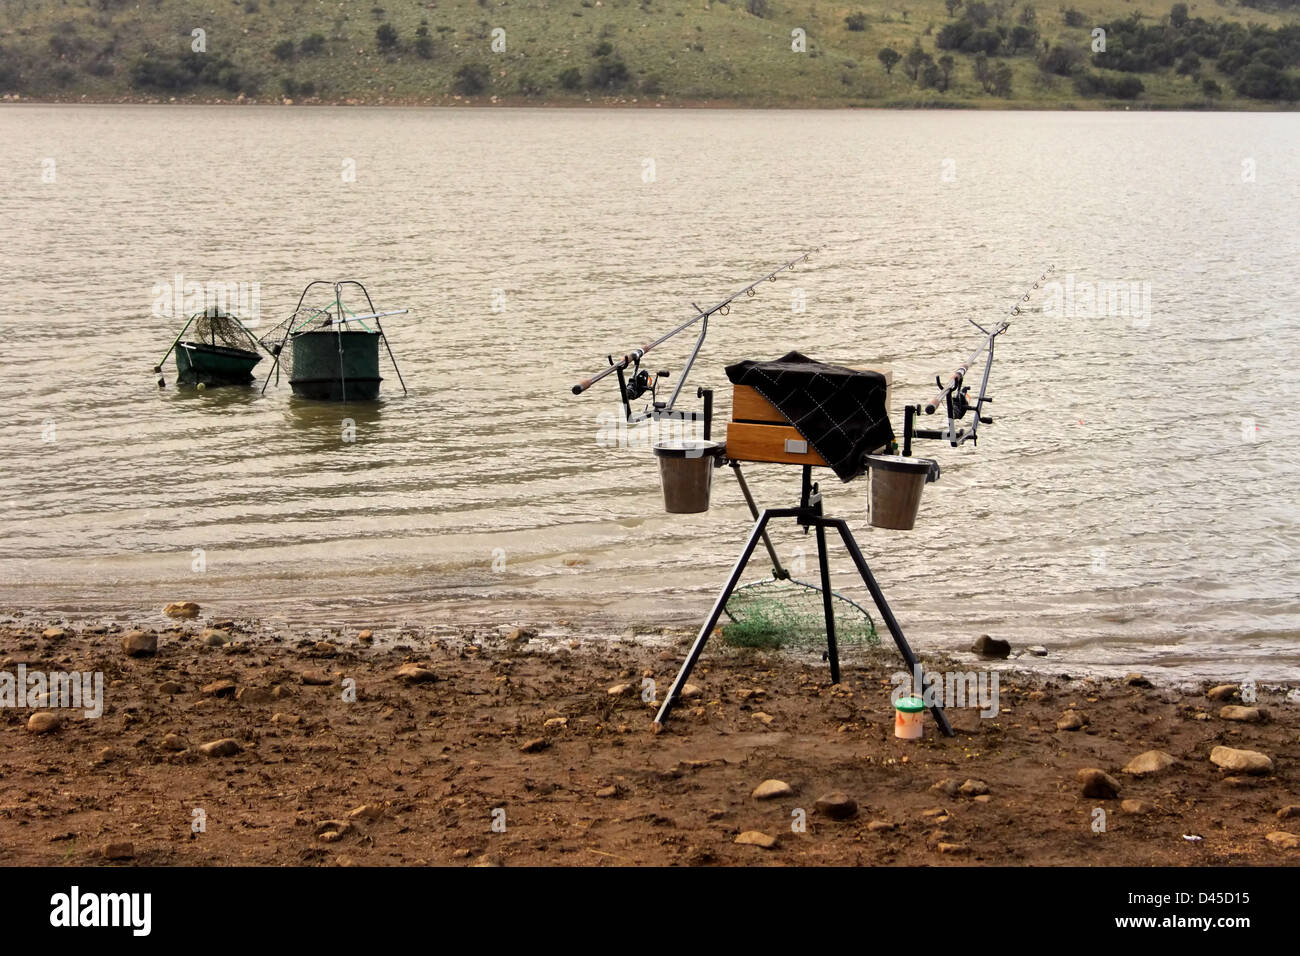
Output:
x=840 y=411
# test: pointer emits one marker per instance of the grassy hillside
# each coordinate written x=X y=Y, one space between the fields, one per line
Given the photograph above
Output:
x=1009 y=53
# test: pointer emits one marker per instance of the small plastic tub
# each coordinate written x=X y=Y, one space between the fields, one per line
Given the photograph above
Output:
x=909 y=718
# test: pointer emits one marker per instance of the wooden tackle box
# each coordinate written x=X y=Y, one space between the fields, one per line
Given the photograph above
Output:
x=759 y=432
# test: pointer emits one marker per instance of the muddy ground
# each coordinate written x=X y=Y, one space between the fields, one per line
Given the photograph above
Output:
x=511 y=749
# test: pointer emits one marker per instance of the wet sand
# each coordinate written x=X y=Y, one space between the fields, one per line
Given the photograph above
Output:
x=503 y=747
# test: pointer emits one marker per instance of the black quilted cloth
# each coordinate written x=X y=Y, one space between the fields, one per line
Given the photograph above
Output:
x=840 y=411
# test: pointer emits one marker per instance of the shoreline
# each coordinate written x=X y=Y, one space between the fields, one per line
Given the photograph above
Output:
x=450 y=724
x=639 y=103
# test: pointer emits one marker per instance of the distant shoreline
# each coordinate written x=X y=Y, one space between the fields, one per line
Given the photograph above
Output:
x=524 y=102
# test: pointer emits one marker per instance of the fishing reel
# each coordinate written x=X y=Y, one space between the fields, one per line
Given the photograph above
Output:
x=960 y=399
x=641 y=381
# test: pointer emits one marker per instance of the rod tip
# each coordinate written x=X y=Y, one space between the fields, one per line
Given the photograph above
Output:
x=577 y=390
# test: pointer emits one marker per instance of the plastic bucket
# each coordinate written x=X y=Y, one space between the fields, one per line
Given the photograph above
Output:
x=686 y=470
x=896 y=486
x=909 y=718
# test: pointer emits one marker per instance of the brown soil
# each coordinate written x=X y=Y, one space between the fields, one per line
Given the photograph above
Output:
x=432 y=762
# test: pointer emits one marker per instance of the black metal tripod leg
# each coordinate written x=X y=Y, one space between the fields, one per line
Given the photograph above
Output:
x=689 y=664
x=778 y=572
x=879 y=597
x=832 y=649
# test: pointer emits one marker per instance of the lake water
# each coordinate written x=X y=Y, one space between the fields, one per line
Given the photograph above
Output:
x=1134 y=503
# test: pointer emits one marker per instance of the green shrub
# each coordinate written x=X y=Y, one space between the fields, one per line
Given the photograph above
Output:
x=386 y=37
x=471 y=79
x=608 y=73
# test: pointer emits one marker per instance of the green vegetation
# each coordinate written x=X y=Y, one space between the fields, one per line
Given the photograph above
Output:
x=966 y=53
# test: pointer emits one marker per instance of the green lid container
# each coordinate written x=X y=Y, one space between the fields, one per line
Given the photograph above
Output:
x=909 y=705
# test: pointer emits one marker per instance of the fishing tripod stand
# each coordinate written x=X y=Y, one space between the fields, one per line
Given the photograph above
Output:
x=807 y=515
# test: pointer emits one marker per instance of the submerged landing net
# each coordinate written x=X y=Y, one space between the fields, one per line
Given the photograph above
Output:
x=221 y=330
x=310 y=318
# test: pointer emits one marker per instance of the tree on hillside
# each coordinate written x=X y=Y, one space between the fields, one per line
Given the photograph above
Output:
x=857 y=22
x=283 y=50
x=758 y=8
x=386 y=37
x=914 y=60
x=889 y=58
x=983 y=72
x=1002 y=80
x=1178 y=15
x=423 y=42
x=946 y=65
x=978 y=12
x=953 y=6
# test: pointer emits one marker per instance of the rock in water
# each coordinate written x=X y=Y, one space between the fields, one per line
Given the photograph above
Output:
x=43 y=722
x=1153 y=761
x=1137 y=808
x=214 y=637
x=175 y=743
x=1288 y=811
x=837 y=806
x=1098 y=784
x=622 y=690
x=1284 y=840
x=184 y=609
x=973 y=788
x=535 y=745
x=226 y=747
x=139 y=644
x=771 y=789
x=1241 y=761
x=1250 y=715
x=756 y=838
x=991 y=647
x=1222 y=692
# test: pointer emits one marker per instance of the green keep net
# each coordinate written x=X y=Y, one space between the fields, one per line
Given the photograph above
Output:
x=789 y=613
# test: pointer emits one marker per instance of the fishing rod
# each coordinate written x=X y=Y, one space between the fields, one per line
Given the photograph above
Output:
x=641 y=381
x=954 y=394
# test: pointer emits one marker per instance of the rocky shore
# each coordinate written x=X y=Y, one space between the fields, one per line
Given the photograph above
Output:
x=225 y=742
